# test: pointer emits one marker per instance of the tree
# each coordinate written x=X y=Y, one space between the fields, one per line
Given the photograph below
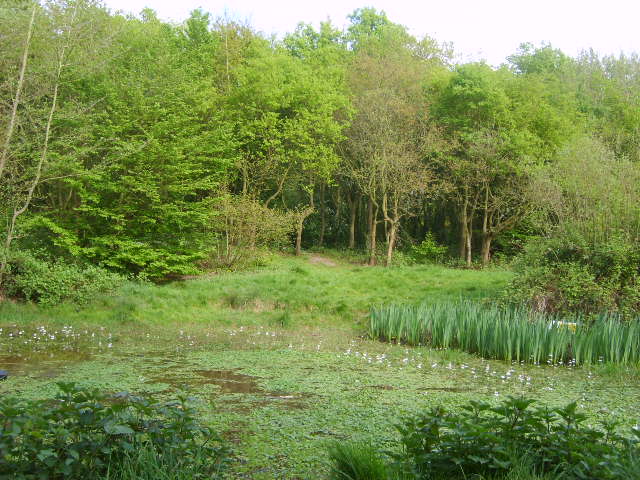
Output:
x=385 y=141
x=23 y=175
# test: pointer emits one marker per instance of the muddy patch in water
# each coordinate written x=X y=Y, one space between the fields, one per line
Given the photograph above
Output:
x=40 y=365
x=447 y=389
x=248 y=394
x=230 y=381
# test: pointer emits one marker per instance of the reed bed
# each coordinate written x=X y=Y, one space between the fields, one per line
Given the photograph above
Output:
x=510 y=334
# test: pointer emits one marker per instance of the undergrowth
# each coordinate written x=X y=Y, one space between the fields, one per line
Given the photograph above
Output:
x=512 y=440
x=84 y=433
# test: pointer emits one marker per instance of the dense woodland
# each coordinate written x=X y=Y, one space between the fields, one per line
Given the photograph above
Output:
x=152 y=150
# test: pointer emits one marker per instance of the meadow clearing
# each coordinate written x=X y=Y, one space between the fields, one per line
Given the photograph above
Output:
x=279 y=360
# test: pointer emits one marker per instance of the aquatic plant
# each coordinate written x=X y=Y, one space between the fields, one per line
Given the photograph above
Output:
x=511 y=334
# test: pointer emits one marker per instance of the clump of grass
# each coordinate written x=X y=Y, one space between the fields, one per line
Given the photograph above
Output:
x=239 y=299
x=356 y=461
x=284 y=319
x=299 y=270
x=146 y=463
x=510 y=334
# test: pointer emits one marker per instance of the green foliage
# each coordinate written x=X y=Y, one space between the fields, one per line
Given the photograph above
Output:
x=510 y=333
x=589 y=260
x=83 y=433
x=563 y=274
x=155 y=122
x=429 y=250
x=512 y=440
x=51 y=283
x=492 y=440
x=244 y=230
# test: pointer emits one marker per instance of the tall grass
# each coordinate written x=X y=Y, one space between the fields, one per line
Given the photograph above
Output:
x=509 y=334
x=146 y=463
x=356 y=461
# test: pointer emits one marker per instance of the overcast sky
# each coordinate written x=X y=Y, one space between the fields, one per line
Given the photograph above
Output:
x=479 y=29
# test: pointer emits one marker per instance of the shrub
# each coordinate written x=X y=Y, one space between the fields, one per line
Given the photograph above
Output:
x=243 y=231
x=83 y=433
x=492 y=441
x=588 y=205
x=510 y=441
x=52 y=283
x=429 y=250
x=568 y=274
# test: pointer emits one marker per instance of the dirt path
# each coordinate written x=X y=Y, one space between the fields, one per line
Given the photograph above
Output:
x=318 y=260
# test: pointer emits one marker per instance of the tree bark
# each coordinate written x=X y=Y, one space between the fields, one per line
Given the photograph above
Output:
x=393 y=223
x=300 y=216
x=393 y=230
x=468 y=245
x=486 y=235
x=463 y=229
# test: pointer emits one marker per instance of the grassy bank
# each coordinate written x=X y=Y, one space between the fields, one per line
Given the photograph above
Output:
x=306 y=290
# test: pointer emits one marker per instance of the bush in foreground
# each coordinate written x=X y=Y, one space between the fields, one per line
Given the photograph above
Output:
x=510 y=440
x=83 y=433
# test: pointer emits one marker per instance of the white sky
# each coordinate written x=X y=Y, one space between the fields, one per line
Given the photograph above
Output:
x=479 y=29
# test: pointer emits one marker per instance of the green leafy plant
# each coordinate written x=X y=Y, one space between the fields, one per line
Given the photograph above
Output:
x=51 y=283
x=429 y=250
x=492 y=440
x=83 y=433
x=569 y=274
x=512 y=440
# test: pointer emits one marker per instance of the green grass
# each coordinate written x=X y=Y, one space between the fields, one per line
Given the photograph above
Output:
x=303 y=291
x=278 y=362
x=147 y=464
x=356 y=461
x=509 y=334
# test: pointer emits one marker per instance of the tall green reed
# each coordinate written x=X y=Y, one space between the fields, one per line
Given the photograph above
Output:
x=512 y=334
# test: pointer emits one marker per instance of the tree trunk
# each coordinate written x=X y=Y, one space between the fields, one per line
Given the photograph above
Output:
x=486 y=248
x=245 y=179
x=393 y=230
x=486 y=235
x=373 y=230
x=299 y=236
x=43 y=157
x=353 y=206
x=463 y=229
x=468 y=245
x=301 y=216
x=16 y=100
x=323 y=217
